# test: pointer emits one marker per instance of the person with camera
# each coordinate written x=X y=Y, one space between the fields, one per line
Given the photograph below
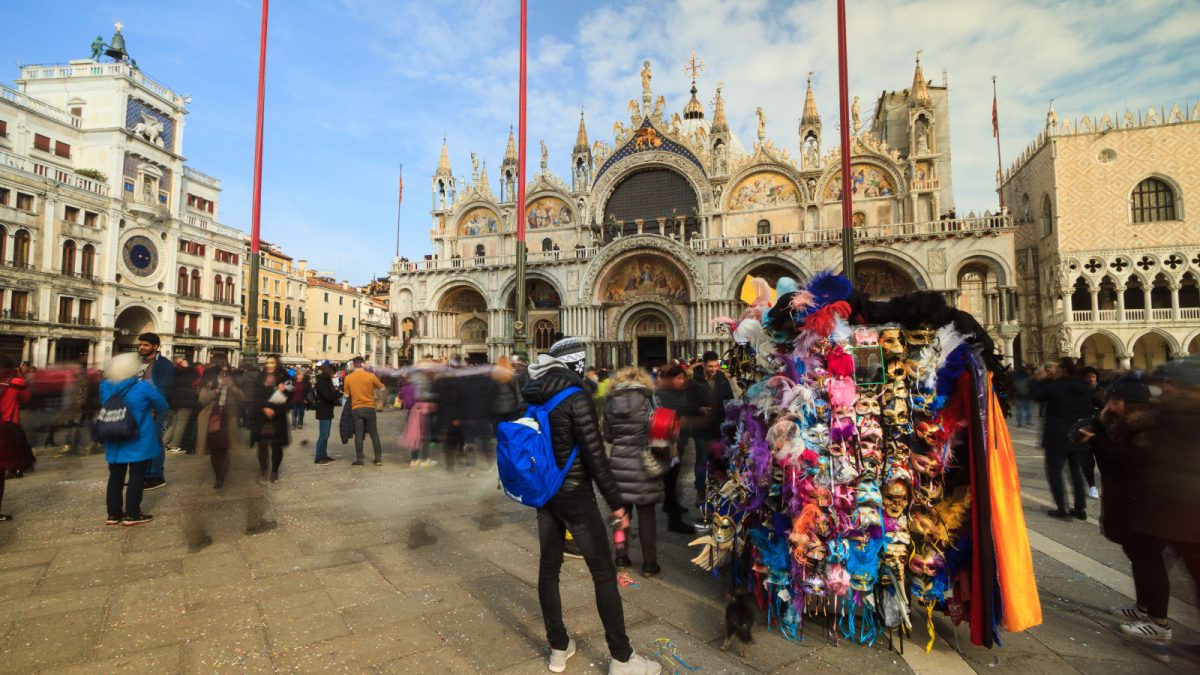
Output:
x=1067 y=394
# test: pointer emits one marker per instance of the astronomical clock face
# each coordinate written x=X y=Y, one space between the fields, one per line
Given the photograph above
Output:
x=141 y=256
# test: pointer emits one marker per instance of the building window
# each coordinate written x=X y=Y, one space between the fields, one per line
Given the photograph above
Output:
x=340 y=299
x=341 y=329
x=275 y=314
x=4 y=193
x=351 y=345
x=266 y=309
x=20 y=304
x=62 y=149
x=353 y=323
x=195 y=283
x=218 y=289
x=21 y=246
x=85 y=312
x=1047 y=216
x=324 y=344
x=64 y=309
x=764 y=227
x=181 y=282
x=3 y=243
x=25 y=202
x=71 y=214
x=1153 y=201
x=547 y=244
x=41 y=142
x=543 y=334
x=68 y=257
x=87 y=262
x=229 y=289
x=91 y=219
x=326 y=297
x=325 y=319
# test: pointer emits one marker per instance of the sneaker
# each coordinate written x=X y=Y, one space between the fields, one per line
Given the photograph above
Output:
x=649 y=571
x=1130 y=612
x=1093 y=493
x=1057 y=513
x=274 y=476
x=558 y=657
x=414 y=463
x=1146 y=629
x=326 y=461
x=636 y=665
x=140 y=519
x=154 y=483
x=175 y=451
x=571 y=550
x=429 y=462
x=113 y=520
x=379 y=462
x=357 y=462
x=1079 y=514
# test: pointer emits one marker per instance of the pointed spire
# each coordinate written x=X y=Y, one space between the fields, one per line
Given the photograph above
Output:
x=920 y=90
x=510 y=151
x=483 y=186
x=581 y=139
x=811 y=115
x=443 y=167
x=693 y=110
x=719 y=123
x=1051 y=116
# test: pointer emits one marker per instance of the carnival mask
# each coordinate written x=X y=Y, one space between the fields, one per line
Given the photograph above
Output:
x=929 y=492
x=894 y=556
x=920 y=337
x=867 y=516
x=870 y=450
x=892 y=341
x=723 y=529
x=897 y=369
x=897 y=449
x=895 y=498
x=926 y=562
x=866 y=405
x=814 y=586
x=927 y=465
x=868 y=494
x=822 y=497
x=864 y=337
x=933 y=434
x=869 y=430
x=896 y=413
x=844 y=471
x=919 y=403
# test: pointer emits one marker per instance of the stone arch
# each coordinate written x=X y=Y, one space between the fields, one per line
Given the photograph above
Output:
x=793 y=176
x=454 y=284
x=637 y=311
x=835 y=170
x=404 y=301
x=471 y=209
x=1000 y=267
x=1172 y=342
x=626 y=247
x=905 y=262
x=132 y=320
x=733 y=283
x=653 y=159
x=1192 y=343
x=509 y=288
x=1093 y=352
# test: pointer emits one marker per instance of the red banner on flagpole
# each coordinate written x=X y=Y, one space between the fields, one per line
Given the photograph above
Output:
x=401 y=189
x=995 y=118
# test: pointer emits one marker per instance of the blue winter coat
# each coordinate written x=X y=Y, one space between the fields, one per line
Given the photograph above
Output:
x=143 y=400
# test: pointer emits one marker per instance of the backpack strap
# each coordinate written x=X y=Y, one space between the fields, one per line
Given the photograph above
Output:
x=559 y=398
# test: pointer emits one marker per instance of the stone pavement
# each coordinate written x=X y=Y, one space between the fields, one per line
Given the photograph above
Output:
x=392 y=569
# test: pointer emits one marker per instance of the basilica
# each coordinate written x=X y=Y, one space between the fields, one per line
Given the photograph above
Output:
x=649 y=237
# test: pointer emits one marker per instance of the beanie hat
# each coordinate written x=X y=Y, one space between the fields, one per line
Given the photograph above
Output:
x=571 y=351
x=1133 y=391
x=1185 y=371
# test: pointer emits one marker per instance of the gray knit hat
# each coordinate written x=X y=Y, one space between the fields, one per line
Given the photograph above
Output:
x=571 y=351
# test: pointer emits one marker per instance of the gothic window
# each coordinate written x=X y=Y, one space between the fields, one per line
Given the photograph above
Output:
x=21 y=245
x=181 y=282
x=1047 y=216
x=87 y=262
x=218 y=289
x=1153 y=200
x=1081 y=296
x=1135 y=294
x=68 y=257
x=228 y=289
x=648 y=196
x=764 y=227
x=547 y=244
x=474 y=331
x=195 y=283
x=543 y=334
x=1189 y=291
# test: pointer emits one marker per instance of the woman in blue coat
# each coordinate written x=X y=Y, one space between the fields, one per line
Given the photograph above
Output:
x=131 y=457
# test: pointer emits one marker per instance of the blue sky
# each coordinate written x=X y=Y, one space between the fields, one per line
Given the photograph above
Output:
x=357 y=87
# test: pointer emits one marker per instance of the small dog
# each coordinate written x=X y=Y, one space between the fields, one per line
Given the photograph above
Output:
x=739 y=621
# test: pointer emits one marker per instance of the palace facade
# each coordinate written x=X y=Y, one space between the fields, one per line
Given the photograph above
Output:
x=1108 y=253
x=648 y=239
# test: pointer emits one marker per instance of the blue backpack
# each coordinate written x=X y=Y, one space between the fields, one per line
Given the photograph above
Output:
x=525 y=455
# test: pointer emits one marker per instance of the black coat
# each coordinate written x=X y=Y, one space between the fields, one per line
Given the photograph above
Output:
x=183 y=389
x=275 y=428
x=1167 y=503
x=573 y=424
x=1120 y=446
x=1068 y=400
x=715 y=399
x=626 y=425
x=327 y=396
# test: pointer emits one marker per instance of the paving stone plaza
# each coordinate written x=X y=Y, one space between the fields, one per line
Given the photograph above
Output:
x=392 y=569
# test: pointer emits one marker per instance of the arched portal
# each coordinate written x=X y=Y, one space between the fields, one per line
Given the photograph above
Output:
x=1194 y=346
x=470 y=321
x=130 y=323
x=882 y=280
x=650 y=335
x=772 y=272
x=1099 y=350
x=543 y=305
x=1150 y=351
x=652 y=201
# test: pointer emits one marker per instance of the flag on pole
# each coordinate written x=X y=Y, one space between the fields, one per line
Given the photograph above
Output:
x=401 y=190
x=995 y=118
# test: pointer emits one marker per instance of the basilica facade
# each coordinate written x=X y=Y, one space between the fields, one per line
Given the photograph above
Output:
x=648 y=238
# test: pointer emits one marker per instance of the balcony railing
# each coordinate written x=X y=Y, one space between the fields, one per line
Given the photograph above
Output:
x=86 y=276
x=76 y=320
x=42 y=108
x=206 y=224
x=55 y=173
x=1135 y=315
x=1108 y=315
x=932 y=184
x=17 y=315
x=532 y=257
x=1160 y=313
x=101 y=70
x=202 y=178
x=1189 y=313
x=1081 y=315
x=956 y=227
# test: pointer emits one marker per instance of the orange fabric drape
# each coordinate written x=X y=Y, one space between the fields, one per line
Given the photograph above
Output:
x=1018 y=589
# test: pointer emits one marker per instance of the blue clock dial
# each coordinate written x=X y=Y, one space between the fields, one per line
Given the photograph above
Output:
x=141 y=256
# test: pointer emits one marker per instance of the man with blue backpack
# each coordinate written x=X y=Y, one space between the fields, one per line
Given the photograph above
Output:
x=556 y=389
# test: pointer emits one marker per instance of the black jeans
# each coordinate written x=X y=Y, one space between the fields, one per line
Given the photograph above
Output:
x=1151 y=584
x=1054 y=470
x=1089 y=467
x=647 y=533
x=365 y=424
x=578 y=512
x=132 y=494
x=276 y=454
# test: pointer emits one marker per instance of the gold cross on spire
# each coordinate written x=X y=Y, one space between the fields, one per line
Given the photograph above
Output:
x=118 y=25
x=693 y=67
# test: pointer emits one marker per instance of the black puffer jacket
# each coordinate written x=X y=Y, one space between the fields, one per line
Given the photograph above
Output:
x=627 y=426
x=573 y=424
x=1068 y=400
x=327 y=396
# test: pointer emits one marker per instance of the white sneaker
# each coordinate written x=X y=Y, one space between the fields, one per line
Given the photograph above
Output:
x=636 y=665
x=1147 y=630
x=1130 y=612
x=1093 y=493
x=558 y=658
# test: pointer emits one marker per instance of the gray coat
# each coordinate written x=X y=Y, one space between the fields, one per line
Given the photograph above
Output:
x=626 y=425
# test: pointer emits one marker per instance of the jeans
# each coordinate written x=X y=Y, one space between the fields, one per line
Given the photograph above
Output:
x=702 y=457
x=1151 y=584
x=1088 y=461
x=276 y=454
x=1024 y=412
x=364 y=423
x=298 y=415
x=578 y=511
x=133 y=495
x=323 y=427
x=1054 y=469
x=159 y=461
x=176 y=427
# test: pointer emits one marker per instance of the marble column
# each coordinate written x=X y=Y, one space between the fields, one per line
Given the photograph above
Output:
x=1126 y=362
x=1095 y=304
x=1175 y=303
x=1008 y=351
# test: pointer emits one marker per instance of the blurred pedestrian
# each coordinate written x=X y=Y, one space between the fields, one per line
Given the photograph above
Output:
x=1022 y=383
x=15 y=452
x=1068 y=398
x=184 y=405
x=129 y=460
x=299 y=399
x=159 y=371
x=268 y=413
x=675 y=390
x=218 y=398
x=626 y=425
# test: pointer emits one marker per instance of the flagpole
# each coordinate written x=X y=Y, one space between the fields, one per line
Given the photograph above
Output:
x=996 y=133
x=250 y=338
x=519 y=329
x=399 y=203
x=843 y=102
